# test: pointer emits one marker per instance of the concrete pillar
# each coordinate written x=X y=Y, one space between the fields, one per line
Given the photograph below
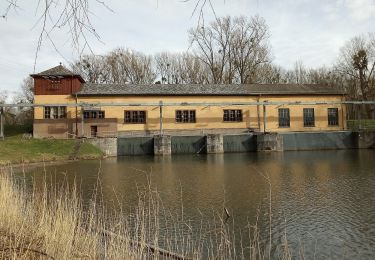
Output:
x=107 y=145
x=364 y=139
x=270 y=142
x=162 y=145
x=214 y=143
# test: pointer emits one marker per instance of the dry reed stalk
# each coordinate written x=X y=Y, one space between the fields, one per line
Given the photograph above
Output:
x=52 y=223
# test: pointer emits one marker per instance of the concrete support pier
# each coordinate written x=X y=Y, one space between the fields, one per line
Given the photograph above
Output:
x=107 y=145
x=162 y=145
x=365 y=140
x=270 y=142
x=214 y=143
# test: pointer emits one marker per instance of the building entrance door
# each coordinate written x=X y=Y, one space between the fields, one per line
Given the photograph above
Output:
x=94 y=131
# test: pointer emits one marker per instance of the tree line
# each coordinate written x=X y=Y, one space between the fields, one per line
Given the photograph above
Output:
x=235 y=50
x=231 y=50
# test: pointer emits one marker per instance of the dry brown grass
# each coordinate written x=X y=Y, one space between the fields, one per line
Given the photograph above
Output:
x=53 y=223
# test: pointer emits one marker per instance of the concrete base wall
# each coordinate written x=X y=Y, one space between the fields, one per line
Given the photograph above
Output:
x=295 y=141
x=188 y=144
x=162 y=145
x=135 y=146
x=365 y=140
x=270 y=142
x=240 y=143
x=214 y=143
x=107 y=145
x=319 y=141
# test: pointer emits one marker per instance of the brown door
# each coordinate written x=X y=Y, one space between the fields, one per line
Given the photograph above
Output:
x=94 y=131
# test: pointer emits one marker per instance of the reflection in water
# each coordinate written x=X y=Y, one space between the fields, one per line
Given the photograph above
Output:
x=323 y=199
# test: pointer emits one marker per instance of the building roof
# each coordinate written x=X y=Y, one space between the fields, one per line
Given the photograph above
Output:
x=91 y=89
x=58 y=71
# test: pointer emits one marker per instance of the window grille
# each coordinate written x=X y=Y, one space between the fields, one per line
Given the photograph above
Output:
x=185 y=116
x=333 y=116
x=93 y=114
x=284 y=117
x=54 y=112
x=308 y=117
x=232 y=115
x=135 y=117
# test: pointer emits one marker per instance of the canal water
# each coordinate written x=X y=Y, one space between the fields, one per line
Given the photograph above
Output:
x=323 y=201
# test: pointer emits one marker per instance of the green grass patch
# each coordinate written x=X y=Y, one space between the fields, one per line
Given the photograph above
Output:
x=16 y=150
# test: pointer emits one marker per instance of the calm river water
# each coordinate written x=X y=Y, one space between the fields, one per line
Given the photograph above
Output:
x=323 y=200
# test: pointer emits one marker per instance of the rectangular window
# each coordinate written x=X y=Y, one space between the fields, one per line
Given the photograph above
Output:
x=308 y=117
x=135 y=117
x=232 y=115
x=54 y=112
x=93 y=114
x=284 y=117
x=185 y=116
x=333 y=116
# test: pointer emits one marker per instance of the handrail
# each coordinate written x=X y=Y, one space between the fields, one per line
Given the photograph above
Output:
x=158 y=104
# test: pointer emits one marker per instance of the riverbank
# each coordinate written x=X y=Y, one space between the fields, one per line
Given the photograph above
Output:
x=16 y=150
x=52 y=222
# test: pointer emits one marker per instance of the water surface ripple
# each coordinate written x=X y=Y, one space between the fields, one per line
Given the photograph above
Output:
x=323 y=201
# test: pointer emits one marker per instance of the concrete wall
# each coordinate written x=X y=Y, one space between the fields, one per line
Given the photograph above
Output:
x=319 y=141
x=135 y=146
x=296 y=141
x=365 y=139
x=107 y=145
x=239 y=143
x=188 y=144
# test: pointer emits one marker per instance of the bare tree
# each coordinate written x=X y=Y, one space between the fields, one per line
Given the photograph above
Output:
x=180 y=68
x=72 y=17
x=27 y=90
x=269 y=73
x=3 y=96
x=212 y=45
x=119 y=66
x=357 y=64
x=232 y=48
x=93 y=68
x=129 y=66
x=250 y=47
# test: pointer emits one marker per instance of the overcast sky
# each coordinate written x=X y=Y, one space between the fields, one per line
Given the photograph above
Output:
x=308 y=30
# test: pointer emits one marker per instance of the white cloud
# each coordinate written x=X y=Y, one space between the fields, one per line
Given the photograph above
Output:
x=360 y=9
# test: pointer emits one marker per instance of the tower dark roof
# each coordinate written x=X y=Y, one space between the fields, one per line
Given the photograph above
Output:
x=58 y=71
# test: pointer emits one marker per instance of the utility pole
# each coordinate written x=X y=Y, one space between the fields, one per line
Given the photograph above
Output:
x=161 y=116
x=264 y=118
x=82 y=122
x=1 y=122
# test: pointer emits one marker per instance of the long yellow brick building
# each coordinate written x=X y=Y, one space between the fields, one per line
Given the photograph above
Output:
x=69 y=107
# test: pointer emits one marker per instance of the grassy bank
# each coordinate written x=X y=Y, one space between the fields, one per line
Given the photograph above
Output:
x=14 y=150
